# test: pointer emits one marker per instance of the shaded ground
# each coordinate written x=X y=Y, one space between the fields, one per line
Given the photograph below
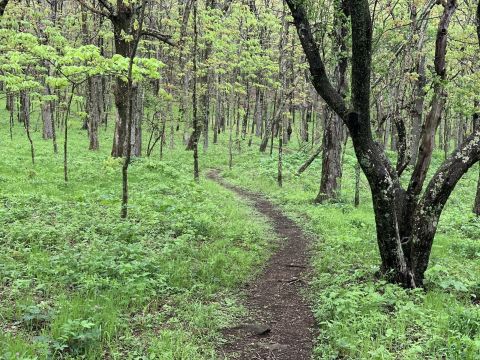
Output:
x=280 y=324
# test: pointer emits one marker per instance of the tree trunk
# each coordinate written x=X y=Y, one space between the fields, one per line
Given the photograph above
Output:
x=95 y=108
x=476 y=127
x=356 y=201
x=332 y=133
x=47 y=119
x=404 y=240
x=331 y=160
x=196 y=131
x=25 y=119
x=476 y=206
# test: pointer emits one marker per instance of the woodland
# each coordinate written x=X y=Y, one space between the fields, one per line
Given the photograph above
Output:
x=239 y=179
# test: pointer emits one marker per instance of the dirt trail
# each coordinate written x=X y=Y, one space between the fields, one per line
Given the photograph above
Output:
x=280 y=324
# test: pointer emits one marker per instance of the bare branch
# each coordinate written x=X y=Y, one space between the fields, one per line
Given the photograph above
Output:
x=108 y=6
x=438 y=102
x=317 y=68
x=437 y=194
x=158 y=35
x=93 y=9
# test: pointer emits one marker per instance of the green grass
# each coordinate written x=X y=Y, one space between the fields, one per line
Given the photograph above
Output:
x=359 y=316
x=76 y=281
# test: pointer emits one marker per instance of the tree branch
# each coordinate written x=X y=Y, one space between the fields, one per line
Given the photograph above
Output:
x=3 y=5
x=108 y=6
x=432 y=120
x=93 y=9
x=361 y=59
x=317 y=68
x=436 y=196
x=478 y=22
x=158 y=35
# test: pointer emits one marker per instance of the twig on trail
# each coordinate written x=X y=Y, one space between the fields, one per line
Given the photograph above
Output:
x=295 y=266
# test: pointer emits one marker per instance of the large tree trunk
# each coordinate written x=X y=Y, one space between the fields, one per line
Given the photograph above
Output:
x=404 y=240
x=121 y=26
x=136 y=132
x=476 y=127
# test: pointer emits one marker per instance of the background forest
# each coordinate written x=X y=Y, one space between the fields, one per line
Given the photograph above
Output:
x=359 y=119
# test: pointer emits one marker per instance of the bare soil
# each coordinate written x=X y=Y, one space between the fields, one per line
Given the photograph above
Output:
x=280 y=324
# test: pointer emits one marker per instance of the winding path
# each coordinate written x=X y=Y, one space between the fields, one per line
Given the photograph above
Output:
x=280 y=324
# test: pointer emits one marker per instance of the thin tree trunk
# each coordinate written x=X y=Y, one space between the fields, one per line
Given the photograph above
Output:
x=25 y=118
x=65 y=135
x=476 y=206
x=194 y=95
x=356 y=201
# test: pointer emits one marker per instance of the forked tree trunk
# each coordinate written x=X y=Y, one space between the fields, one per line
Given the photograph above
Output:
x=404 y=240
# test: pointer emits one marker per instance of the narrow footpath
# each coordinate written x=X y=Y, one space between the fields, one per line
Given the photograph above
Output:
x=280 y=323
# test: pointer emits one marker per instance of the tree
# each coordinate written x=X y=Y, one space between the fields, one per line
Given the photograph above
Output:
x=333 y=131
x=124 y=17
x=196 y=130
x=404 y=239
x=476 y=124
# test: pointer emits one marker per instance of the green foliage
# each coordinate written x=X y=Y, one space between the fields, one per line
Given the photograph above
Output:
x=79 y=282
x=360 y=316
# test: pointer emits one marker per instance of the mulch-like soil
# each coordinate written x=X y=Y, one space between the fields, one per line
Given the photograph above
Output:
x=280 y=324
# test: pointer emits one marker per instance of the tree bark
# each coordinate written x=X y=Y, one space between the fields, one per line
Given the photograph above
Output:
x=25 y=119
x=476 y=127
x=419 y=27
x=476 y=206
x=47 y=118
x=309 y=161
x=332 y=133
x=95 y=109
x=404 y=258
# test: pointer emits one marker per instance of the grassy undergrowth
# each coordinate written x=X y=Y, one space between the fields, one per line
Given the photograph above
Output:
x=77 y=282
x=359 y=316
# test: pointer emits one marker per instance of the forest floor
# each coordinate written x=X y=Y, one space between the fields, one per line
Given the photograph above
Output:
x=181 y=278
x=281 y=322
